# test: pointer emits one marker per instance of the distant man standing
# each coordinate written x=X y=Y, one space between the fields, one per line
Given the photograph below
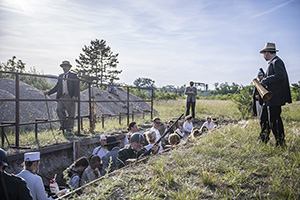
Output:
x=66 y=89
x=277 y=81
x=191 y=93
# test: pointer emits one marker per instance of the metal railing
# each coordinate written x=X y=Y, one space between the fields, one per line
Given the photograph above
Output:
x=16 y=123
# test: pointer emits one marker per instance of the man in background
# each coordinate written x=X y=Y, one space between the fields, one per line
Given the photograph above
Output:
x=191 y=93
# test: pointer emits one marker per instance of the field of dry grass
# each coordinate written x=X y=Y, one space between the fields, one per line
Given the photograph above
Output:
x=227 y=163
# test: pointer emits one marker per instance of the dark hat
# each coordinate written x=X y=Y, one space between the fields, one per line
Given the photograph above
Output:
x=65 y=62
x=137 y=137
x=269 y=47
x=111 y=140
x=260 y=74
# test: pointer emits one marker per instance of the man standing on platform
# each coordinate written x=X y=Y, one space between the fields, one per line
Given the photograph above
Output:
x=66 y=89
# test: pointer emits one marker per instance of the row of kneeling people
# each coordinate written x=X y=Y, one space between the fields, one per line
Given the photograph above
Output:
x=105 y=158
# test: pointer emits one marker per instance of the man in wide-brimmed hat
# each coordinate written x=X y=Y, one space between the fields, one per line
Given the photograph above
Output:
x=109 y=160
x=276 y=80
x=66 y=88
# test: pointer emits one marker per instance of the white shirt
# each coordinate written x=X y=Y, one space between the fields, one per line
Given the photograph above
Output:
x=157 y=135
x=64 y=84
x=187 y=127
x=89 y=175
x=100 y=151
x=208 y=125
x=35 y=185
x=129 y=134
x=149 y=147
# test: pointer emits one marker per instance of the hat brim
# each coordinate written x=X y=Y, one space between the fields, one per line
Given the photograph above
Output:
x=264 y=50
x=111 y=143
x=61 y=65
x=4 y=164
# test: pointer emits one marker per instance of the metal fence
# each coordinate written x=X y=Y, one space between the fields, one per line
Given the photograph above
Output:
x=16 y=123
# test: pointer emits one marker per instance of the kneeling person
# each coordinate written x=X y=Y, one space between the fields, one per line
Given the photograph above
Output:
x=135 y=150
x=34 y=182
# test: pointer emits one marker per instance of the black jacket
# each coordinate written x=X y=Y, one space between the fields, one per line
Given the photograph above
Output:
x=16 y=187
x=277 y=80
x=72 y=86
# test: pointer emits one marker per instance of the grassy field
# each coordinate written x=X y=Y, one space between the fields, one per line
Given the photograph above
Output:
x=167 y=109
x=227 y=163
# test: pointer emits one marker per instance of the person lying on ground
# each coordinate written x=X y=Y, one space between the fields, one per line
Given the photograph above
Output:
x=92 y=171
x=133 y=151
x=109 y=160
x=73 y=173
x=132 y=128
x=187 y=126
x=151 y=138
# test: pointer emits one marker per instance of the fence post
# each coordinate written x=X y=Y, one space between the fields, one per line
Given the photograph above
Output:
x=78 y=108
x=120 y=118
x=152 y=98
x=2 y=136
x=76 y=149
x=17 y=110
x=90 y=106
x=128 y=105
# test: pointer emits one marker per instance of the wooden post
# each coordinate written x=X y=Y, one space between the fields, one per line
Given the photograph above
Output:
x=17 y=110
x=152 y=98
x=78 y=109
x=76 y=149
x=102 y=118
x=120 y=118
x=128 y=105
x=2 y=136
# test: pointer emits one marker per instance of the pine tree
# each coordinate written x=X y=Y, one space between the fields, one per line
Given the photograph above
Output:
x=97 y=63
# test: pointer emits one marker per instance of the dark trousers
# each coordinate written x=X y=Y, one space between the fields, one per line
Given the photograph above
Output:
x=276 y=124
x=188 y=105
x=264 y=125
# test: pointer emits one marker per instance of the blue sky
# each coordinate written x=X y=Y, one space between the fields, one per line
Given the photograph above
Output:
x=169 y=41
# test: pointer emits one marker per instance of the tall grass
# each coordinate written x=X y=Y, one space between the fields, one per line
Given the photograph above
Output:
x=227 y=163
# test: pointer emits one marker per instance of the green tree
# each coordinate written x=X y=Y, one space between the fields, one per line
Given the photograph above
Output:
x=295 y=90
x=243 y=100
x=144 y=82
x=12 y=65
x=97 y=63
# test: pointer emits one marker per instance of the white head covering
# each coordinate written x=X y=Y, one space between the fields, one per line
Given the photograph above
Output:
x=32 y=156
x=103 y=137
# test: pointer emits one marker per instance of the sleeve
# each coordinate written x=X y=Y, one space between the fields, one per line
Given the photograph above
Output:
x=279 y=73
x=104 y=164
x=40 y=189
x=84 y=178
x=186 y=90
x=76 y=86
x=195 y=90
x=121 y=158
x=53 y=90
x=74 y=182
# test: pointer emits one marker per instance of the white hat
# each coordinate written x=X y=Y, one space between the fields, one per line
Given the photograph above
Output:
x=103 y=137
x=32 y=156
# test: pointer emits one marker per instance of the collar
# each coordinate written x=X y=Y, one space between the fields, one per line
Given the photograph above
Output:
x=272 y=59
